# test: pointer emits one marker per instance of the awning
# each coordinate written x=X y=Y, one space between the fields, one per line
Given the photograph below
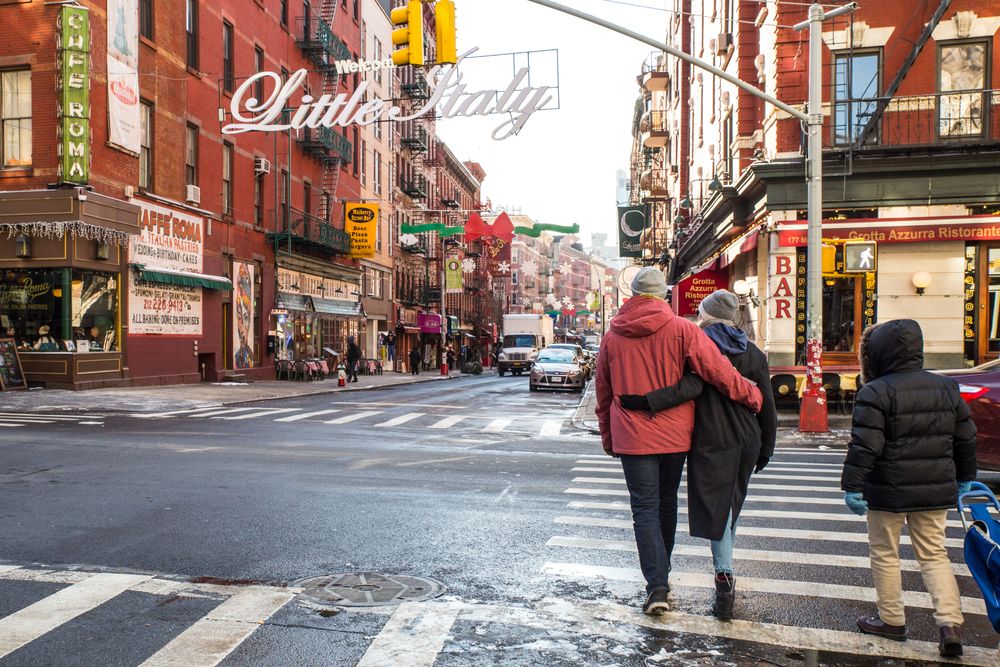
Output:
x=743 y=244
x=293 y=301
x=156 y=274
x=338 y=307
x=411 y=330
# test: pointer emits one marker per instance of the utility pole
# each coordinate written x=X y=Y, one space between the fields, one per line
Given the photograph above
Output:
x=813 y=413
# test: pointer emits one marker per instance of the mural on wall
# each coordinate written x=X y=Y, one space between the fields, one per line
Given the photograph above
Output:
x=243 y=281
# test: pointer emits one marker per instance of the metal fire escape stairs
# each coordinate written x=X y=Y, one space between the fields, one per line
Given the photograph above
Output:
x=331 y=87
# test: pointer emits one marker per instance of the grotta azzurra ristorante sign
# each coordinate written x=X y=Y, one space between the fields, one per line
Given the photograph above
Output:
x=449 y=96
x=74 y=95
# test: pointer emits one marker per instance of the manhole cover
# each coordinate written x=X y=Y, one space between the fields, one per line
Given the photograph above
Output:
x=368 y=589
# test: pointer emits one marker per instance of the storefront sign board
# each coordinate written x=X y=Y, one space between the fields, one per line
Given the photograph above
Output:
x=361 y=223
x=632 y=220
x=11 y=374
x=429 y=323
x=156 y=308
x=243 y=314
x=688 y=293
x=74 y=95
x=897 y=231
x=123 y=75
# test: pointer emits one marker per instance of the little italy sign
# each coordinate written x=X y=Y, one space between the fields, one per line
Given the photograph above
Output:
x=449 y=96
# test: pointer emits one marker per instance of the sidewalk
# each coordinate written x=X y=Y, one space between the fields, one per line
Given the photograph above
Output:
x=204 y=395
x=788 y=424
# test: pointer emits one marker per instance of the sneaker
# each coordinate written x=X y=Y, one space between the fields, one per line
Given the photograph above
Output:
x=657 y=603
x=725 y=596
x=950 y=645
x=873 y=625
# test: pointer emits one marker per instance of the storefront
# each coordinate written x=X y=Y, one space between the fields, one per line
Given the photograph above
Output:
x=62 y=253
x=311 y=320
x=407 y=337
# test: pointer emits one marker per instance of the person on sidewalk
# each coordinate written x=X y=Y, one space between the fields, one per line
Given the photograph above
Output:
x=646 y=348
x=912 y=451
x=353 y=359
x=414 y=360
x=729 y=443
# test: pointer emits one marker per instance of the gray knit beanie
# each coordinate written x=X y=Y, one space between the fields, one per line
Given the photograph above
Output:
x=720 y=305
x=649 y=280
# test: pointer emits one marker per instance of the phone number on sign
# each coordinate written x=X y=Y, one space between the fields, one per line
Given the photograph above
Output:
x=168 y=305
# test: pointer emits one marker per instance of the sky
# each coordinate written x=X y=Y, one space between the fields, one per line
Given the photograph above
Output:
x=561 y=167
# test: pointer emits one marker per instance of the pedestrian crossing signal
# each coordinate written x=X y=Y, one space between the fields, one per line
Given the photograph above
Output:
x=860 y=256
x=409 y=36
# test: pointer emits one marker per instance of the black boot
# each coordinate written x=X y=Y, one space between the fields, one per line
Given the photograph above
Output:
x=725 y=596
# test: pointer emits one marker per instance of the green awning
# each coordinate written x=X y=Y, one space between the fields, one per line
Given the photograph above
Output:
x=187 y=278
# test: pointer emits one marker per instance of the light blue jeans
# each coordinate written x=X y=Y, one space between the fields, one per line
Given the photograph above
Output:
x=722 y=549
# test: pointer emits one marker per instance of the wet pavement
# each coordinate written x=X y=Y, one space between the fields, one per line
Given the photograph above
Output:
x=182 y=530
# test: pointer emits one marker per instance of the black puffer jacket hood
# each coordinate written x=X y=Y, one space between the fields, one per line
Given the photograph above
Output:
x=891 y=347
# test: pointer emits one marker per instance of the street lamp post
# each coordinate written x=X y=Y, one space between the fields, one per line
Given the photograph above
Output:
x=813 y=413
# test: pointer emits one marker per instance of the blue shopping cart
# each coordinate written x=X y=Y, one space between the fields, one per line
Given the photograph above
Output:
x=982 y=545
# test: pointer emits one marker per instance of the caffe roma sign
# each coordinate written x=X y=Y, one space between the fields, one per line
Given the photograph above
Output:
x=448 y=95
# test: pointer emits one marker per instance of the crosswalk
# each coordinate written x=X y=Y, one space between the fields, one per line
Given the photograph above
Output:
x=19 y=420
x=800 y=555
x=548 y=423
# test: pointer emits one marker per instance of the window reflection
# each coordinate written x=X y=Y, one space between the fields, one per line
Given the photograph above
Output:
x=838 y=314
x=993 y=325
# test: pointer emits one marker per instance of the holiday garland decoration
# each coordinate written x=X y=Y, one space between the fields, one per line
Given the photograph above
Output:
x=58 y=229
x=475 y=227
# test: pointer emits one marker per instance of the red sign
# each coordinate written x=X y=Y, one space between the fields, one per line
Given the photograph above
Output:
x=986 y=228
x=688 y=293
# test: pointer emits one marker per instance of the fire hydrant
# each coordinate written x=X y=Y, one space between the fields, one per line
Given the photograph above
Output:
x=341 y=376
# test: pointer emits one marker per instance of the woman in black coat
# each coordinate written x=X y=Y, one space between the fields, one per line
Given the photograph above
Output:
x=729 y=442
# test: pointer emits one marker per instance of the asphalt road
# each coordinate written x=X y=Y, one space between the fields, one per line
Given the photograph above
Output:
x=173 y=538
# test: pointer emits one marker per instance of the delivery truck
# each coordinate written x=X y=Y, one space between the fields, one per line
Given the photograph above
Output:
x=524 y=335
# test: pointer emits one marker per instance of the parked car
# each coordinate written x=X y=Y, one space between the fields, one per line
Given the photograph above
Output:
x=980 y=387
x=587 y=358
x=557 y=368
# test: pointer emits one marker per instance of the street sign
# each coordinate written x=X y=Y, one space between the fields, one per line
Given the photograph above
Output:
x=860 y=256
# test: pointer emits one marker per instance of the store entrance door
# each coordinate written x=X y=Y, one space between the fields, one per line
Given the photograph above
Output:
x=988 y=304
x=842 y=301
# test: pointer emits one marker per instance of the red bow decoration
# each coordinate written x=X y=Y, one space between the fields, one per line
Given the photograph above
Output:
x=502 y=228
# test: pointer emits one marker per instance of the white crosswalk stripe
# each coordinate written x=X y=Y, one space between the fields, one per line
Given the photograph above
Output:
x=346 y=419
x=305 y=415
x=400 y=420
x=551 y=427
x=795 y=538
x=497 y=425
x=18 y=420
x=448 y=422
x=267 y=412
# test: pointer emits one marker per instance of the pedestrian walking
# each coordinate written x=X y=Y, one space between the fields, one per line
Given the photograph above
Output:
x=729 y=442
x=353 y=359
x=450 y=356
x=912 y=451
x=415 y=360
x=647 y=348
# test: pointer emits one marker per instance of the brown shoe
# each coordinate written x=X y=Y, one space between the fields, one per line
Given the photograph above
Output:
x=873 y=625
x=950 y=645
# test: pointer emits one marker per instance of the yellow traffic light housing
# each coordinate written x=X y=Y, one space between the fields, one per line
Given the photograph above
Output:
x=444 y=28
x=829 y=258
x=410 y=35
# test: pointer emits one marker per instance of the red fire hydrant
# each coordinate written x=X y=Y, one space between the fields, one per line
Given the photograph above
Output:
x=341 y=376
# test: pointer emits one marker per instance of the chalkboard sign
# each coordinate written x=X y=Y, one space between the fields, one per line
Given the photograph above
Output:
x=11 y=375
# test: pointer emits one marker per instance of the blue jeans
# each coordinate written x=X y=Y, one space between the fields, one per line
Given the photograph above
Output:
x=722 y=549
x=652 y=488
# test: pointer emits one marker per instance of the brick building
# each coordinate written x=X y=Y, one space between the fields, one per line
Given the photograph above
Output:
x=910 y=161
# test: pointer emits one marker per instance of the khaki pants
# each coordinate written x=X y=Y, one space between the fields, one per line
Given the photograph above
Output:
x=927 y=537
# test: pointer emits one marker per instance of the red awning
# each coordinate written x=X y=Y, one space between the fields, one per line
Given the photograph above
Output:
x=745 y=244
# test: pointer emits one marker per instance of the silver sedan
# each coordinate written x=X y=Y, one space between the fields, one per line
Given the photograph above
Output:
x=557 y=369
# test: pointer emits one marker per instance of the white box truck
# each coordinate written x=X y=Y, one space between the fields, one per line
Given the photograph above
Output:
x=523 y=336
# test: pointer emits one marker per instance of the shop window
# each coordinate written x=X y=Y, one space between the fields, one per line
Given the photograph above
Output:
x=15 y=118
x=961 y=72
x=855 y=92
x=145 y=145
x=993 y=324
x=840 y=301
x=69 y=307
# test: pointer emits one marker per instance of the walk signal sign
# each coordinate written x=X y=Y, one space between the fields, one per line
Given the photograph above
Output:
x=409 y=36
x=860 y=256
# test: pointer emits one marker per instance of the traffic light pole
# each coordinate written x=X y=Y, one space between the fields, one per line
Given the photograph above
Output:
x=813 y=411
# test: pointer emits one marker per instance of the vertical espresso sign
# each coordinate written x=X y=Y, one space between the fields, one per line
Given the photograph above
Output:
x=74 y=95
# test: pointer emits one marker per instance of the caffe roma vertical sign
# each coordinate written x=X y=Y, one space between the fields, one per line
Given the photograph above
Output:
x=74 y=95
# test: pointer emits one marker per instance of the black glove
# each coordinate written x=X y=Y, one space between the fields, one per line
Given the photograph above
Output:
x=635 y=402
x=762 y=462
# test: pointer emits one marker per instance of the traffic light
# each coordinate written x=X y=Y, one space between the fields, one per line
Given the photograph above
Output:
x=410 y=35
x=444 y=26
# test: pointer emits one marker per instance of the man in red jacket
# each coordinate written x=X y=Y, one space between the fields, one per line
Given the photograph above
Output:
x=647 y=348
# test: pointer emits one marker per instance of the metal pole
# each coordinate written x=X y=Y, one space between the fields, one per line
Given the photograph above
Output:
x=444 y=314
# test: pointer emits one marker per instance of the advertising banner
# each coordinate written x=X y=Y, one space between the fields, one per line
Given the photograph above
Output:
x=243 y=311
x=173 y=240
x=632 y=220
x=123 y=75
x=453 y=275
x=688 y=293
x=74 y=95
x=985 y=228
x=429 y=323
x=361 y=223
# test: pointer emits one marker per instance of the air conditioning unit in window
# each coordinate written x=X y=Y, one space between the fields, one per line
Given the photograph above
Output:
x=193 y=195
x=261 y=166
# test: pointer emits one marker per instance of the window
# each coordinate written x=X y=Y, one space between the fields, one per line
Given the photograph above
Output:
x=146 y=18
x=307 y=198
x=378 y=232
x=962 y=67
x=284 y=12
x=145 y=145
x=191 y=27
x=357 y=148
x=258 y=63
x=727 y=147
x=191 y=155
x=227 y=57
x=855 y=91
x=285 y=115
x=377 y=46
x=286 y=191
x=15 y=118
x=364 y=163
x=227 y=178
x=356 y=12
x=377 y=172
x=840 y=300
x=258 y=200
